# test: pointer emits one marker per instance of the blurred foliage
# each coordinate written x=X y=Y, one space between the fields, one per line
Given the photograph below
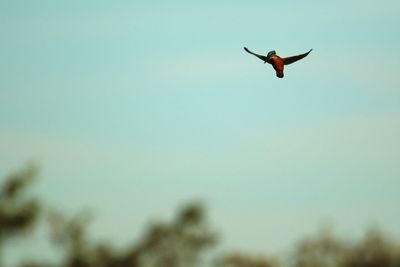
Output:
x=243 y=260
x=17 y=211
x=323 y=249
x=326 y=250
x=374 y=250
x=182 y=242
x=178 y=243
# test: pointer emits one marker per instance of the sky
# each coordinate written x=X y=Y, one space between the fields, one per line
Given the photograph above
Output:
x=146 y=105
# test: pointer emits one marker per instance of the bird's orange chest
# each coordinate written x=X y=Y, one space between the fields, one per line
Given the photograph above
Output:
x=277 y=63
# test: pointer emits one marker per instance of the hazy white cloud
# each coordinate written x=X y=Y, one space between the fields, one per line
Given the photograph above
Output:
x=341 y=144
x=357 y=69
x=347 y=143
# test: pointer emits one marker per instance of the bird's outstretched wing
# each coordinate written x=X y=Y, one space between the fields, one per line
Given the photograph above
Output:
x=290 y=60
x=263 y=58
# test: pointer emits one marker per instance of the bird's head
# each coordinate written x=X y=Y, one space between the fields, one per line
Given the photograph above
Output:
x=271 y=54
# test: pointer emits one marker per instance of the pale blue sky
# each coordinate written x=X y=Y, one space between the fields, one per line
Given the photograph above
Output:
x=145 y=105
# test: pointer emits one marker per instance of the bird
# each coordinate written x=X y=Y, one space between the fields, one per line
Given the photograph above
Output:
x=276 y=61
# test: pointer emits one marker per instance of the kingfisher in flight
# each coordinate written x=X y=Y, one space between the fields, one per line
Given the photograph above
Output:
x=276 y=61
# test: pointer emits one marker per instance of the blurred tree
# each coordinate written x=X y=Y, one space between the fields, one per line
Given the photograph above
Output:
x=375 y=250
x=178 y=243
x=242 y=260
x=321 y=250
x=17 y=212
x=70 y=235
x=325 y=250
